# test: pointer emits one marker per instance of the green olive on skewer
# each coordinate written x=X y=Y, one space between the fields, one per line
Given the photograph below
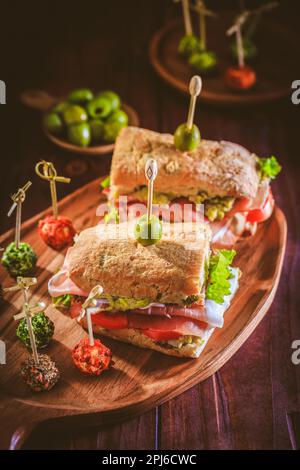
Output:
x=187 y=136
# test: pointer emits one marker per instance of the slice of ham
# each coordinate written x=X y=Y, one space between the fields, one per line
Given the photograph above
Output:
x=176 y=324
x=195 y=312
x=61 y=284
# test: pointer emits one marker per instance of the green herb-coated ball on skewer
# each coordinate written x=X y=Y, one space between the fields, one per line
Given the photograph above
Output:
x=188 y=45
x=19 y=261
x=43 y=329
x=204 y=61
x=249 y=49
x=148 y=232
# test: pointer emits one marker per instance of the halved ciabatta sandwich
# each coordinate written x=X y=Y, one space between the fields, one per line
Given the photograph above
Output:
x=168 y=296
x=231 y=182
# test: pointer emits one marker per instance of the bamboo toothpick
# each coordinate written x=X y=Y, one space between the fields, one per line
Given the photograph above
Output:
x=195 y=89
x=187 y=17
x=18 y=199
x=256 y=17
x=151 y=174
x=237 y=29
x=203 y=12
x=24 y=284
x=87 y=310
x=49 y=173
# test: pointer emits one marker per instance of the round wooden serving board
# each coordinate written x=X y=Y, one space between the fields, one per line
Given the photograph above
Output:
x=140 y=379
x=274 y=64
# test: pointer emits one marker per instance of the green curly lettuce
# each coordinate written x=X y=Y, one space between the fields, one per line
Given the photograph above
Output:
x=63 y=301
x=218 y=275
x=105 y=183
x=268 y=168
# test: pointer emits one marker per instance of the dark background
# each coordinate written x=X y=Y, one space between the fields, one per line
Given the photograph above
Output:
x=57 y=46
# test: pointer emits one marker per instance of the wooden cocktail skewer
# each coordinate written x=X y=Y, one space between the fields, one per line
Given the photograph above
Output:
x=195 y=90
x=91 y=357
x=187 y=17
x=49 y=173
x=87 y=309
x=57 y=231
x=236 y=28
x=24 y=284
x=256 y=17
x=151 y=174
x=200 y=7
x=187 y=135
x=18 y=199
x=241 y=77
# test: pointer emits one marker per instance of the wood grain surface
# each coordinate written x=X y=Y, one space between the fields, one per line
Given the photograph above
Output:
x=139 y=379
x=243 y=405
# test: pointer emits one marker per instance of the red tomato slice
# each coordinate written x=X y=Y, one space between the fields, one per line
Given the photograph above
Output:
x=263 y=213
x=241 y=205
x=114 y=321
x=161 y=335
x=75 y=309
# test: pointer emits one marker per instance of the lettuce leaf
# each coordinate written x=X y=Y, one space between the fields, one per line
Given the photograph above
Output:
x=62 y=300
x=105 y=183
x=218 y=274
x=268 y=167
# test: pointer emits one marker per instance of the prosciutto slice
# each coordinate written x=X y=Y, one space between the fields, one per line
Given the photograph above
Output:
x=196 y=312
x=176 y=324
x=61 y=284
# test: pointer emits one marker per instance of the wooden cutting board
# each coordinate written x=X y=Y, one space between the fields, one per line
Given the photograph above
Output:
x=273 y=81
x=140 y=379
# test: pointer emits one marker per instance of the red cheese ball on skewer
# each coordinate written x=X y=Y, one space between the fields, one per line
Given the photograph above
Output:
x=92 y=360
x=240 y=78
x=56 y=232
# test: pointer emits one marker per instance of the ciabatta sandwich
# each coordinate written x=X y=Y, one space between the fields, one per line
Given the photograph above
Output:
x=231 y=182
x=168 y=296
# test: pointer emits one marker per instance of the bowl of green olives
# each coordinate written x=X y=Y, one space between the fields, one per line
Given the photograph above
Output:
x=83 y=122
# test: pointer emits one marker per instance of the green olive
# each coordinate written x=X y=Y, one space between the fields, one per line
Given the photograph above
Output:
x=188 y=45
x=53 y=123
x=203 y=61
x=113 y=125
x=112 y=97
x=60 y=107
x=74 y=114
x=187 y=139
x=99 y=108
x=97 y=128
x=148 y=232
x=80 y=96
x=80 y=134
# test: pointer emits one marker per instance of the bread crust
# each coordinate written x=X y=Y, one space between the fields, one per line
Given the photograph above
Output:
x=168 y=271
x=135 y=337
x=219 y=168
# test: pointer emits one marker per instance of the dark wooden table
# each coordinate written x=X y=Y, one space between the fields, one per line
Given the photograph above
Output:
x=57 y=46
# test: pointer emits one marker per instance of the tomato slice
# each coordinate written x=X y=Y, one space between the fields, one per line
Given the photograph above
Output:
x=76 y=307
x=114 y=321
x=264 y=212
x=161 y=335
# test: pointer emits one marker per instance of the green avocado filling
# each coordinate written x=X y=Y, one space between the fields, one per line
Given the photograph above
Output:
x=185 y=340
x=215 y=208
x=124 y=303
